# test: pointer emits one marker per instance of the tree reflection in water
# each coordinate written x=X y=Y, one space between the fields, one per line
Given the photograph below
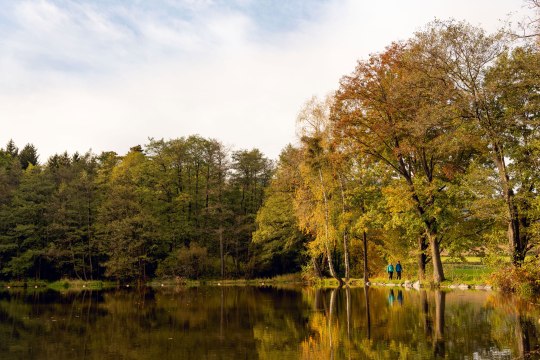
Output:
x=368 y=314
x=266 y=323
x=438 y=338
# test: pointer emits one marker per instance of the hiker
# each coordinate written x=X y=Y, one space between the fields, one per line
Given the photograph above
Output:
x=390 y=269
x=399 y=269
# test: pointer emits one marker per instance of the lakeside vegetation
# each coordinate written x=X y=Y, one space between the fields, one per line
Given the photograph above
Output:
x=427 y=150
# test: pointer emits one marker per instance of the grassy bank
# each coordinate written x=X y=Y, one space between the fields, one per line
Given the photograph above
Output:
x=60 y=285
x=469 y=271
x=456 y=273
x=79 y=285
x=471 y=274
x=20 y=284
x=288 y=279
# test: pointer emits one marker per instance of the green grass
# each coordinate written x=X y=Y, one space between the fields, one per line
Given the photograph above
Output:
x=464 y=259
x=277 y=280
x=79 y=285
x=22 y=284
x=470 y=270
x=385 y=280
x=467 y=273
x=60 y=285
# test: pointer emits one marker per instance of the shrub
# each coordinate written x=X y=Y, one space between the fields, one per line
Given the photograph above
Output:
x=523 y=280
x=185 y=262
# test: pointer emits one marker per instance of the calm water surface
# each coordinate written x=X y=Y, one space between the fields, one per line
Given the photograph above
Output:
x=267 y=323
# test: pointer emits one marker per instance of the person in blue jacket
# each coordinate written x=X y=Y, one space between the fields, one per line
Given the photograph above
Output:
x=399 y=269
x=390 y=270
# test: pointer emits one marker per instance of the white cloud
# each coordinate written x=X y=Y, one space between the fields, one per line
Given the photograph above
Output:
x=81 y=76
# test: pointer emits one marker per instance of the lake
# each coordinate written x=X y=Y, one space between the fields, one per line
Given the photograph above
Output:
x=266 y=323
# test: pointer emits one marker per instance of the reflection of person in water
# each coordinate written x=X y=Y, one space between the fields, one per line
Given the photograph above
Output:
x=400 y=297
x=391 y=297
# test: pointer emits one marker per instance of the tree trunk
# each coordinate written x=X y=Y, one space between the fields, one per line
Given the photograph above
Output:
x=366 y=269
x=345 y=231
x=438 y=273
x=326 y=240
x=516 y=242
x=89 y=235
x=236 y=257
x=316 y=268
x=207 y=193
x=331 y=266
x=346 y=255
x=220 y=211
x=85 y=277
x=422 y=256
x=196 y=212
x=73 y=260
x=221 y=256
x=430 y=228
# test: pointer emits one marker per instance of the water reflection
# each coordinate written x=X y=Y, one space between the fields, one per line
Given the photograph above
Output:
x=368 y=313
x=391 y=297
x=438 y=338
x=266 y=323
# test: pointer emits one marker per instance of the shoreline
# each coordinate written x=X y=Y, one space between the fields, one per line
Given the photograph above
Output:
x=82 y=285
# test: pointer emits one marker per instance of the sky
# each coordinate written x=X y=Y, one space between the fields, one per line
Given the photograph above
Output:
x=102 y=75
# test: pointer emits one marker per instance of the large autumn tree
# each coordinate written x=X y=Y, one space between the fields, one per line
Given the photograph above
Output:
x=392 y=110
x=498 y=99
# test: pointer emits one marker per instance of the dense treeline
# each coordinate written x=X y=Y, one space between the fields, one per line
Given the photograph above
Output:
x=184 y=207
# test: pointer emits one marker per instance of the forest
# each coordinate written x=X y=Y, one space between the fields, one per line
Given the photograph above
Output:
x=427 y=149
x=183 y=207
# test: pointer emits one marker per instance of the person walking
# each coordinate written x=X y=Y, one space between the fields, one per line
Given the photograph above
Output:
x=399 y=269
x=390 y=270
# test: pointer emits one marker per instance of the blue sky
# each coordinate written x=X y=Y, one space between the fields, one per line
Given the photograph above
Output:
x=106 y=75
